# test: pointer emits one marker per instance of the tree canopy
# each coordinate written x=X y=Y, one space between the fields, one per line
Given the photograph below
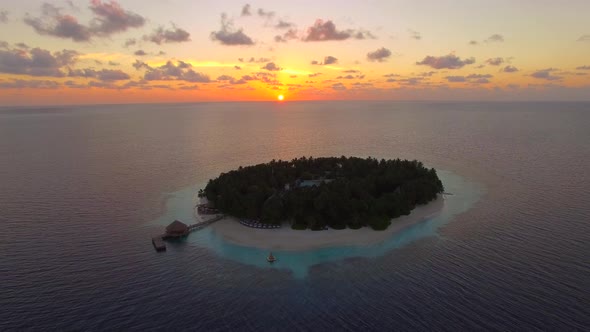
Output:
x=318 y=192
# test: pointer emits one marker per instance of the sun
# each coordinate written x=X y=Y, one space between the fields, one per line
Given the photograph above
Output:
x=280 y=97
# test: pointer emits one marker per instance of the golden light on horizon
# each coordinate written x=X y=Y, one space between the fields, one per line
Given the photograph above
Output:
x=280 y=97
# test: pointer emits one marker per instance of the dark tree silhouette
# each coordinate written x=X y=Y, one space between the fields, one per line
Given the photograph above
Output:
x=318 y=192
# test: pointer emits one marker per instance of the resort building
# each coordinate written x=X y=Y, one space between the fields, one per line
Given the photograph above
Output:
x=176 y=229
x=313 y=183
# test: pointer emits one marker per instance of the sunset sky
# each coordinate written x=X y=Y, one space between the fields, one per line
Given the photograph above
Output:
x=129 y=51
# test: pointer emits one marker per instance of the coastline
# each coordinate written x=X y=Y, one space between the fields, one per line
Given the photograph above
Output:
x=287 y=239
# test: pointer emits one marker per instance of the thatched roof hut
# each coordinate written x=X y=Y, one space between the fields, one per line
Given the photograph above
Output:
x=177 y=228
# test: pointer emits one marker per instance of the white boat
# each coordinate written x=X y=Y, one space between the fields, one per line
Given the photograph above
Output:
x=271 y=258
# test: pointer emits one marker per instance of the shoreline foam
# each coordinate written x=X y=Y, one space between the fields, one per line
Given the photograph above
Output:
x=287 y=239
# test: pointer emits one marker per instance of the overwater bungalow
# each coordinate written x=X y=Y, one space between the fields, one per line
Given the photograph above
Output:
x=176 y=229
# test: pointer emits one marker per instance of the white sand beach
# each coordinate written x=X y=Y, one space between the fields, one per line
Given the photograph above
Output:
x=293 y=240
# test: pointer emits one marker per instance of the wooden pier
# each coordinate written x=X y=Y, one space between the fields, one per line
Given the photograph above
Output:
x=159 y=243
x=178 y=229
x=205 y=223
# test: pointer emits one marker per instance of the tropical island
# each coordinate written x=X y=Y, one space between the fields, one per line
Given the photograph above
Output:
x=320 y=193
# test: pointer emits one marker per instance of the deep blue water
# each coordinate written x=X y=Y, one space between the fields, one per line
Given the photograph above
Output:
x=83 y=188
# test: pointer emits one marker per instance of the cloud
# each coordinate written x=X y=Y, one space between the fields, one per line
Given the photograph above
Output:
x=29 y=84
x=495 y=38
x=455 y=79
x=363 y=34
x=328 y=60
x=481 y=81
x=140 y=53
x=545 y=74
x=495 y=61
x=173 y=35
x=102 y=85
x=427 y=73
x=228 y=36
x=112 y=75
x=3 y=16
x=108 y=18
x=361 y=85
x=233 y=81
x=189 y=87
x=22 y=45
x=350 y=77
x=583 y=68
x=284 y=25
x=53 y=23
x=479 y=76
x=584 y=38
x=449 y=61
x=192 y=76
x=130 y=42
x=351 y=71
x=289 y=35
x=113 y=63
x=182 y=71
x=379 y=55
x=473 y=78
x=271 y=66
x=73 y=85
x=36 y=62
x=103 y=75
x=338 y=87
x=415 y=34
x=237 y=67
x=254 y=60
x=246 y=10
x=266 y=77
x=326 y=30
x=510 y=69
x=141 y=65
x=262 y=13
x=314 y=75
x=410 y=80
x=473 y=42
x=112 y=18
x=240 y=81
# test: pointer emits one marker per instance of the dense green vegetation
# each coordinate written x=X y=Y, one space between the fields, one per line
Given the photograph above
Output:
x=343 y=192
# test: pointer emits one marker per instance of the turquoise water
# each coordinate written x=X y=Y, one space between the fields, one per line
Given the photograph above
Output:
x=180 y=204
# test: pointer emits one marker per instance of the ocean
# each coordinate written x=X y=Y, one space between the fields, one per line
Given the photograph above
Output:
x=83 y=188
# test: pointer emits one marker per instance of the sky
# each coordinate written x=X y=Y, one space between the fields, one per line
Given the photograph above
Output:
x=134 y=51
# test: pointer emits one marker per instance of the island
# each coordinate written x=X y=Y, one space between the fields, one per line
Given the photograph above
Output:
x=324 y=193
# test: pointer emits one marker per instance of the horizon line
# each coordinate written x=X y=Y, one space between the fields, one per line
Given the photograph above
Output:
x=298 y=101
